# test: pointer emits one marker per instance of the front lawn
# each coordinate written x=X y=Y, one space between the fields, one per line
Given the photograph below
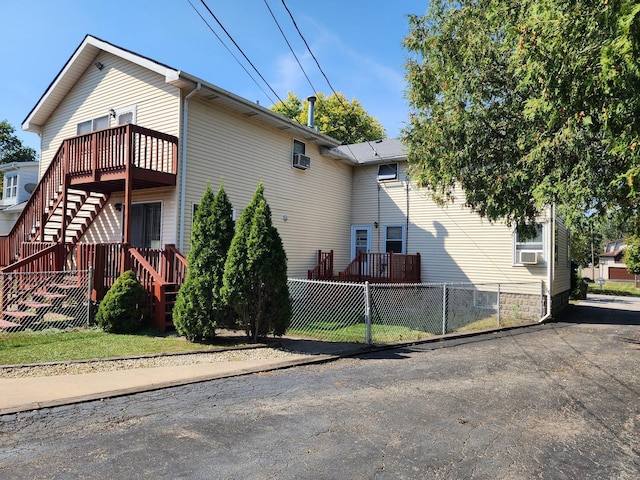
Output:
x=56 y=346
x=627 y=289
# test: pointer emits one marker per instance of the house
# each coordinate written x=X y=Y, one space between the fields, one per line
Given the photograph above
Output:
x=390 y=214
x=128 y=145
x=20 y=179
x=612 y=265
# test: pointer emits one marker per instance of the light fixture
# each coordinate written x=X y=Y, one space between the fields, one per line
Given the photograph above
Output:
x=99 y=65
x=375 y=224
x=112 y=113
x=118 y=206
x=285 y=218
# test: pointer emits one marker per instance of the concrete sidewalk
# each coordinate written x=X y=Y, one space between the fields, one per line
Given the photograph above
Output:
x=30 y=393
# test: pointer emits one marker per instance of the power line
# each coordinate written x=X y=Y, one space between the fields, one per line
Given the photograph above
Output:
x=240 y=50
x=290 y=48
x=230 y=52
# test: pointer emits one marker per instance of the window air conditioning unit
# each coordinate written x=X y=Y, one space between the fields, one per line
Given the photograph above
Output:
x=301 y=161
x=527 y=257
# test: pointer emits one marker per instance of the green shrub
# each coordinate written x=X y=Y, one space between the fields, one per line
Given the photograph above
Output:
x=121 y=310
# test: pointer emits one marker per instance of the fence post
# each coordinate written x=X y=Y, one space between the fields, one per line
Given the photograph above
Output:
x=444 y=309
x=89 y=292
x=367 y=313
x=498 y=305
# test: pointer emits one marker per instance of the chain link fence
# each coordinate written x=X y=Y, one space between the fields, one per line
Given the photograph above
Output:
x=38 y=301
x=385 y=313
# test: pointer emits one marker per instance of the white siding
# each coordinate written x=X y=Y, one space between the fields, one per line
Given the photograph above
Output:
x=223 y=146
x=455 y=244
x=107 y=227
x=119 y=84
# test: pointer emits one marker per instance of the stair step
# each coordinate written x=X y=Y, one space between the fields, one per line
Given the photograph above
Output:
x=17 y=314
x=49 y=295
x=7 y=324
x=33 y=304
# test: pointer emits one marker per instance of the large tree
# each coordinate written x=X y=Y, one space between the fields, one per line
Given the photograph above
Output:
x=199 y=308
x=255 y=276
x=334 y=116
x=11 y=147
x=526 y=103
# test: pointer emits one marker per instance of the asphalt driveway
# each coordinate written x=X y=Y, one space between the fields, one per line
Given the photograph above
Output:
x=552 y=401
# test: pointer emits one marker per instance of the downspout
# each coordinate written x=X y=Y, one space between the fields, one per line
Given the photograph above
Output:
x=183 y=173
x=551 y=262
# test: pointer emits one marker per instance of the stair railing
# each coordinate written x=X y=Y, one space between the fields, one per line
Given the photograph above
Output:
x=324 y=267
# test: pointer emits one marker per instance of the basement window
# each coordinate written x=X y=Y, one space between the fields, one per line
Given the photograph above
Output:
x=387 y=172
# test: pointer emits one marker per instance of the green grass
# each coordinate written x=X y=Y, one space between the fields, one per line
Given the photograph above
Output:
x=487 y=323
x=55 y=346
x=357 y=334
x=615 y=288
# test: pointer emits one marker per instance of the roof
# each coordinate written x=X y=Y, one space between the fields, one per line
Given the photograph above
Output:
x=613 y=249
x=91 y=47
x=387 y=150
x=7 y=167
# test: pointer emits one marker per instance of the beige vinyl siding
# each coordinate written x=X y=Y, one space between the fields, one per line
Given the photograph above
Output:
x=562 y=272
x=455 y=244
x=107 y=227
x=118 y=85
x=316 y=202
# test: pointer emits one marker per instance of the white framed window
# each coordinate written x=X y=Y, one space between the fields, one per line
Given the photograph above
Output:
x=126 y=115
x=299 y=147
x=394 y=238
x=387 y=172
x=529 y=250
x=11 y=186
x=92 y=125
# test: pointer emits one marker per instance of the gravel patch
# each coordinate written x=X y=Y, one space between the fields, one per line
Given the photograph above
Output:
x=74 y=368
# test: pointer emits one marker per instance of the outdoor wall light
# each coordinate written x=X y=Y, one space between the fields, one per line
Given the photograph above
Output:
x=375 y=224
x=285 y=218
x=112 y=113
x=118 y=206
x=99 y=65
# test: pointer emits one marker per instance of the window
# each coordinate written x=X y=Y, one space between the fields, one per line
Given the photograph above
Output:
x=11 y=186
x=529 y=249
x=93 y=125
x=394 y=238
x=387 y=172
x=298 y=147
x=126 y=115
x=146 y=220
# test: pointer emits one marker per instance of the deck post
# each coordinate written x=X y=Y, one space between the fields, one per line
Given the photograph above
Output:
x=127 y=186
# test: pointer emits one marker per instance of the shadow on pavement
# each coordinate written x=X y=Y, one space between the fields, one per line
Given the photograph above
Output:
x=600 y=314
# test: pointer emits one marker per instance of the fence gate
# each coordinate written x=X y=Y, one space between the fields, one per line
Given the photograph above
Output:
x=36 y=301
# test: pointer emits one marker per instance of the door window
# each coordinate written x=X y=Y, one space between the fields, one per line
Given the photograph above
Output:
x=146 y=219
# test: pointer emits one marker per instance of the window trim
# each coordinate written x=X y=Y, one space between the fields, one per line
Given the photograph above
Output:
x=403 y=239
x=9 y=188
x=528 y=246
x=387 y=177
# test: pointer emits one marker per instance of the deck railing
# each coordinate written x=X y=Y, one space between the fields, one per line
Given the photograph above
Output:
x=108 y=150
x=324 y=267
x=383 y=267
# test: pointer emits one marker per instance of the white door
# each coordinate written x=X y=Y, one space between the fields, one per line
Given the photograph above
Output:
x=361 y=243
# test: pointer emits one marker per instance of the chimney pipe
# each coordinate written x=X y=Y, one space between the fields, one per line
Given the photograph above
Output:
x=312 y=104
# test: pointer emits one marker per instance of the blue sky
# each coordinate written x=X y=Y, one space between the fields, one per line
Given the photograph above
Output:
x=357 y=43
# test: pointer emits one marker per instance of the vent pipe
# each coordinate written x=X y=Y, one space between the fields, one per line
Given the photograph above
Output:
x=312 y=104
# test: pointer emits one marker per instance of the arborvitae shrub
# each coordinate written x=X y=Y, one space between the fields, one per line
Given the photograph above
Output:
x=122 y=308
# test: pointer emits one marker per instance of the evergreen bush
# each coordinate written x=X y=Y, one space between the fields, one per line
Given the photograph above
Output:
x=122 y=308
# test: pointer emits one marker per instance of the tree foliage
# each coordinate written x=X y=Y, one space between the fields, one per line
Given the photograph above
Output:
x=11 y=147
x=526 y=103
x=334 y=116
x=121 y=310
x=255 y=278
x=199 y=308
x=632 y=256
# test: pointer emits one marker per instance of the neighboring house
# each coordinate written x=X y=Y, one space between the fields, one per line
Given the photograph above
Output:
x=20 y=179
x=612 y=265
x=128 y=146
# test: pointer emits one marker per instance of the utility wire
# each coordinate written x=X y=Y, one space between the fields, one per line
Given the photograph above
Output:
x=240 y=50
x=290 y=48
x=230 y=52
x=347 y=107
